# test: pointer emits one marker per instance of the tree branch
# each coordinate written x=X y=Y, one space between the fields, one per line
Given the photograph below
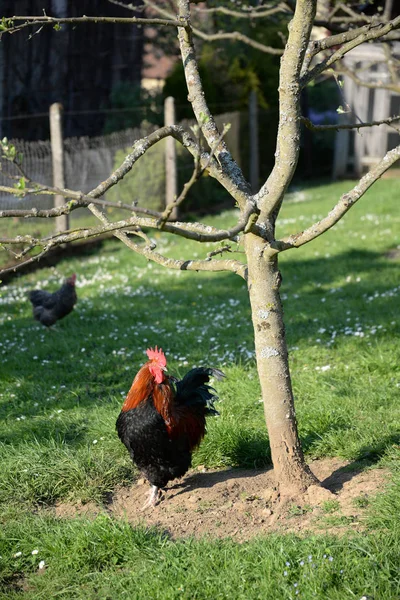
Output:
x=238 y=37
x=79 y=200
x=139 y=148
x=253 y=12
x=345 y=203
x=238 y=186
x=376 y=85
x=392 y=64
x=196 y=231
x=197 y=173
x=41 y=20
x=20 y=239
x=368 y=33
x=212 y=37
x=287 y=148
x=183 y=265
x=336 y=126
x=178 y=133
x=26 y=262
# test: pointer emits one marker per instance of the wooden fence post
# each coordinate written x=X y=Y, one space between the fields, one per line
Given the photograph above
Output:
x=57 y=156
x=171 y=184
x=253 y=132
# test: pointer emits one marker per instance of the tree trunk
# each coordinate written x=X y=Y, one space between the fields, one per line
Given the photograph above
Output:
x=264 y=279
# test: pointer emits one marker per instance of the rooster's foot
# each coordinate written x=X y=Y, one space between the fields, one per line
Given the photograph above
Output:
x=153 y=497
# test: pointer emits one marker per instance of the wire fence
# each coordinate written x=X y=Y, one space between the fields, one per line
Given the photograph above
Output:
x=88 y=161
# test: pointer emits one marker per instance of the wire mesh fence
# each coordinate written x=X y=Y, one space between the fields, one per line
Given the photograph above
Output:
x=88 y=161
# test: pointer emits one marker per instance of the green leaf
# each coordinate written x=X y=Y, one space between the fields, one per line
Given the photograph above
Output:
x=6 y=24
x=9 y=150
x=21 y=184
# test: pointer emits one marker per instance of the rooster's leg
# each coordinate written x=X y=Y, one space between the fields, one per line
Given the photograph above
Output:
x=152 y=499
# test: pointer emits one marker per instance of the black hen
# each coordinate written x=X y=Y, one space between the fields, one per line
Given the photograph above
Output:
x=50 y=307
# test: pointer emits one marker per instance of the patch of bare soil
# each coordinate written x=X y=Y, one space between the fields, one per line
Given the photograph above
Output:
x=244 y=503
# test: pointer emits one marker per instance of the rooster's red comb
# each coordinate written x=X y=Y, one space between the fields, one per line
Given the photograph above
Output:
x=157 y=355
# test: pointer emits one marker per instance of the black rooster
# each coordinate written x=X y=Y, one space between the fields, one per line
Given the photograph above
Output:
x=163 y=420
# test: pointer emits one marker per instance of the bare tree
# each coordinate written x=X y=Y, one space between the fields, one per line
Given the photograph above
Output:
x=302 y=61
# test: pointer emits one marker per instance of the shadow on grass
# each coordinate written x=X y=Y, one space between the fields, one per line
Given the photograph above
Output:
x=42 y=430
x=367 y=457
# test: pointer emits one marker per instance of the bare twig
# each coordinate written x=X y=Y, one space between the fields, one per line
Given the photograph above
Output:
x=368 y=33
x=212 y=37
x=317 y=46
x=79 y=198
x=237 y=36
x=344 y=204
x=238 y=186
x=42 y=20
x=19 y=239
x=197 y=173
x=194 y=231
x=253 y=12
x=221 y=250
x=377 y=85
x=183 y=265
x=287 y=150
x=392 y=64
x=14 y=268
x=337 y=126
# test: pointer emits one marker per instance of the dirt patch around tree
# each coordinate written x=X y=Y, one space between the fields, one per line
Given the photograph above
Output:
x=243 y=503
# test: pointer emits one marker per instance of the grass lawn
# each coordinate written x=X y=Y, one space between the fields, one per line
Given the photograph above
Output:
x=61 y=392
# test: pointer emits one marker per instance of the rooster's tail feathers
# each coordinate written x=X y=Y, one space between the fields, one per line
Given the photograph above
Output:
x=193 y=389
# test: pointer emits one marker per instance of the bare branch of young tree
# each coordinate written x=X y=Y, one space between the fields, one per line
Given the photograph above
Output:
x=239 y=186
x=20 y=239
x=183 y=265
x=226 y=35
x=345 y=203
x=341 y=69
x=43 y=20
x=79 y=200
x=193 y=231
x=142 y=145
x=368 y=33
x=252 y=12
x=337 y=126
x=287 y=152
x=198 y=171
x=392 y=63
x=237 y=36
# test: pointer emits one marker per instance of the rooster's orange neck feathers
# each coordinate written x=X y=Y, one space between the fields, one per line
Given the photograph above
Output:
x=141 y=387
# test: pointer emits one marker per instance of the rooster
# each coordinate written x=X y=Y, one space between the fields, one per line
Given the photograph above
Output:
x=50 y=307
x=163 y=420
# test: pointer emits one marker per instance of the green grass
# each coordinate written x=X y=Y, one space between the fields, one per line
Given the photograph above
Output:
x=61 y=392
x=108 y=559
